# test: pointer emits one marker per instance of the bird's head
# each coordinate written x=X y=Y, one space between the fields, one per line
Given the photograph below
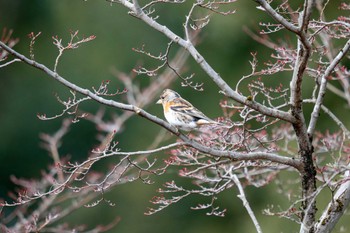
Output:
x=167 y=95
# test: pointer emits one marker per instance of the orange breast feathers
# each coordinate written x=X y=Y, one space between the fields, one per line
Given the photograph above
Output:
x=166 y=106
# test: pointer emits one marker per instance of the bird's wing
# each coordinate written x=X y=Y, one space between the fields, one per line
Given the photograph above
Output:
x=183 y=106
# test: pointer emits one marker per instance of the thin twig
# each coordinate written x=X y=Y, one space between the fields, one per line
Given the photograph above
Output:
x=246 y=203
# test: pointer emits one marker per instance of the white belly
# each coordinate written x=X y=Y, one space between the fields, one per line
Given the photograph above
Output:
x=181 y=124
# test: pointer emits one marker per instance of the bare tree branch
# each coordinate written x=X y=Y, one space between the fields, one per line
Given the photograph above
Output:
x=279 y=18
x=237 y=156
x=233 y=155
x=309 y=5
x=336 y=207
x=89 y=93
x=263 y=129
x=246 y=203
x=323 y=87
x=341 y=125
x=9 y=62
x=226 y=89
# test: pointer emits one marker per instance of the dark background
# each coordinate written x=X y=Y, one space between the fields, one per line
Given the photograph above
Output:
x=24 y=92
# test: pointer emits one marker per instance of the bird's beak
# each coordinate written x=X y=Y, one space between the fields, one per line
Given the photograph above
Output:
x=159 y=101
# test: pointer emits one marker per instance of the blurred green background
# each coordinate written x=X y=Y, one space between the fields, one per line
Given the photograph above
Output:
x=24 y=92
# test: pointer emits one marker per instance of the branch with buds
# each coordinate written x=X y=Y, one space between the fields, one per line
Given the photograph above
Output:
x=267 y=130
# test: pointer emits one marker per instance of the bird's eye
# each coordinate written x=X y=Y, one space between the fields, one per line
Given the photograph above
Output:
x=162 y=97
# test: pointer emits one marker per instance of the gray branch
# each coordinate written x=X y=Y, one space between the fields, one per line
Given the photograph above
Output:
x=279 y=18
x=306 y=14
x=228 y=91
x=335 y=209
x=236 y=156
x=246 y=203
x=323 y=87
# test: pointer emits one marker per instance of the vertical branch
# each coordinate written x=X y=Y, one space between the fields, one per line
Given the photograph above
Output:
x=308 y=7
x=303 y=54
x=326 y=40
x=246 y=203
x=323 y=87
x=137 y=7
x=53 y=143
x=336 y=208
x=186 y=24
x=306 y=150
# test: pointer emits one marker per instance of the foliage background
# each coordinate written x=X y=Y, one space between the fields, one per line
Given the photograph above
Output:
x=24 y=92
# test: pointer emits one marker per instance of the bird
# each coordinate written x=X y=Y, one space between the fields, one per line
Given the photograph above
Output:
x=181 y=113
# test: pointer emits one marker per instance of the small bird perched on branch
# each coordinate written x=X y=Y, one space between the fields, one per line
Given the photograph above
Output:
x=181 y=113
